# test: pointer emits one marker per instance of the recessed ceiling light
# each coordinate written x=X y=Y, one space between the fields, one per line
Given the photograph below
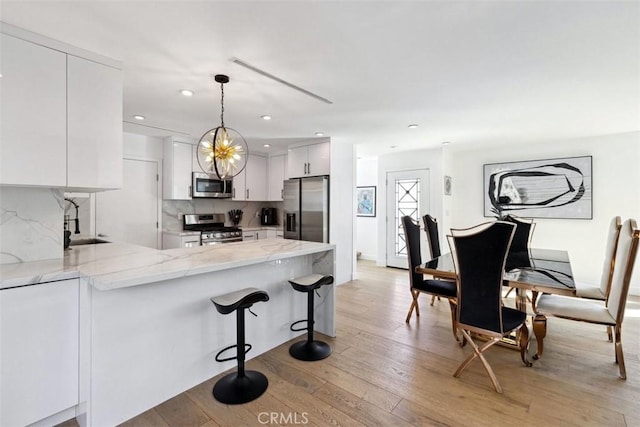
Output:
x=138 y=117
x=446 y=142
x=265 y=117
x=319 y=134
x=413 y=126
x=267 y=145
x=392 y=146
x=186 y=92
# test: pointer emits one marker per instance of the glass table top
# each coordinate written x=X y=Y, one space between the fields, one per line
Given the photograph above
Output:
x=543 y=270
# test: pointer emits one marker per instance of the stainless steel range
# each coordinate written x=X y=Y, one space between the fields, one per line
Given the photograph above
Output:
x=212 y=229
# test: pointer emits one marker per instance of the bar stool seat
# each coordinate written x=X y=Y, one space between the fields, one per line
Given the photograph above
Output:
x=243 y=298
x=241 y=386
x=309 y=350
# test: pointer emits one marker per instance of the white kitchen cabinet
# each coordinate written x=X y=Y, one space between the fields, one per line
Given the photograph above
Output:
x=180 y=240
x=249 y=235
x=309 y=160
x=61 y=117
x=33 y=134
x=39 y=345
x=251 y=183
x=177 y=167
x=94 y=115
x=274 y=233
x=277 y=166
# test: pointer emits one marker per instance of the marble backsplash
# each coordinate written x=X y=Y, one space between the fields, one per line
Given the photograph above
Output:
x=31 y=224
x=173 y=210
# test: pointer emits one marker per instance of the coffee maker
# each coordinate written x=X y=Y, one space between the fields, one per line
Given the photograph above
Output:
x=269 y=216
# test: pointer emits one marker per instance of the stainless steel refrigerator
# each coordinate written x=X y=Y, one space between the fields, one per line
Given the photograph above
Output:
x=306 y=209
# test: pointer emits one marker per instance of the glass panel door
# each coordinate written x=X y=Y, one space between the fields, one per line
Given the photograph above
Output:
x=407 y=194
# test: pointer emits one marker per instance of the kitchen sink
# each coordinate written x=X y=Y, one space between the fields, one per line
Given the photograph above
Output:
x=91 y=241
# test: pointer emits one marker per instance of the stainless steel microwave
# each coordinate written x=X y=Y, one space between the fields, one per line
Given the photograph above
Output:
x=210 y=186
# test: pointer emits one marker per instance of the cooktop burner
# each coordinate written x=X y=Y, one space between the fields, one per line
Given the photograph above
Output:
x=212 y=228
x=206 y=222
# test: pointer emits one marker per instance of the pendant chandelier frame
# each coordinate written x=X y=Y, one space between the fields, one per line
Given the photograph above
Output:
x=222 y=150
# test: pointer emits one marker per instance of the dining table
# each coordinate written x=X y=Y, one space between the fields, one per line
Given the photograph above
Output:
x=535 y=270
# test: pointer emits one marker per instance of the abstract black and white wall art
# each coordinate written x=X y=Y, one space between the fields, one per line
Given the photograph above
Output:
x=553 y=188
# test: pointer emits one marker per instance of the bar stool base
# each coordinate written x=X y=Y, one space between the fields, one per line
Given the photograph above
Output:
x=310 y=350
x=234 y=390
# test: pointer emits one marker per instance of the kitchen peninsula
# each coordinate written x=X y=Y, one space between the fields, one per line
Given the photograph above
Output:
x=147 y=329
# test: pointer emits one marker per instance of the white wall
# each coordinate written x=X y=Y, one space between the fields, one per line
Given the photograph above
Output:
x=418 y=159
x=141 y=146
x=342 y=209
x=366 y=227
x=615 y=192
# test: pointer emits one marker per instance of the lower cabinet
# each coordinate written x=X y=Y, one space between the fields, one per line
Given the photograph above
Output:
x=172 y=241
x=39 y=344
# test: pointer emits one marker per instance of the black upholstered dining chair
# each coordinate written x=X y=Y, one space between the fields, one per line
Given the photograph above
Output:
x=522 y=236
x=431 y=228
x=611 y=312
x=479 y=255
x=417 y=283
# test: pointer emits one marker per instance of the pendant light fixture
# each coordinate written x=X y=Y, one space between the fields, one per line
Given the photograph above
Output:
x=222 y=150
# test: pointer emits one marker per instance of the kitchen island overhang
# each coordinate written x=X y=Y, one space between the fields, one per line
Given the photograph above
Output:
x=151 y=331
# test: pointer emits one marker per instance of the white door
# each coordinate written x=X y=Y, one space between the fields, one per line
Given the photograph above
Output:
x=407 y=194
x=131 y=214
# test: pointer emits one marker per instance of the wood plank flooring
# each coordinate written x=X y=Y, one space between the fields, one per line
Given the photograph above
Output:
x=384 y=372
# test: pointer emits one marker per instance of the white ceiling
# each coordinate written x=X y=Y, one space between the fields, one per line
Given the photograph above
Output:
x=466 y=72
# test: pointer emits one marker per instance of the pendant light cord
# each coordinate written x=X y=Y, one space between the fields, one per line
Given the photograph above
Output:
x=222 y=105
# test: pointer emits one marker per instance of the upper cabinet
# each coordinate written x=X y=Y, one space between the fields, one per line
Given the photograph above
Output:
x=176 y=169
x=251 y=183
x=94 y=116
x=61 y=116
x=277 y=165
x=33 y=97
x=309 y=160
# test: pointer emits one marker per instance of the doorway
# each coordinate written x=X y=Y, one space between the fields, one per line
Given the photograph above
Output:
x=407 y=194
x=132 y=214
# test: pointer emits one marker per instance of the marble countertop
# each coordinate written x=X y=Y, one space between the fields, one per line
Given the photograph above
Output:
x=118 y=265
x=181 y=232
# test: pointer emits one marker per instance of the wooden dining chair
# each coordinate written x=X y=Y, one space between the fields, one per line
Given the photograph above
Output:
x=611 y=312
x=417 y=283
x=479 y=255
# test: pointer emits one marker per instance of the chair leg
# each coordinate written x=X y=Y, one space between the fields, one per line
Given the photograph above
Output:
x=414 y=304
x=477 y=352
x=610 y=333
x=619 y=355
x=454 y=320
x=433 y=299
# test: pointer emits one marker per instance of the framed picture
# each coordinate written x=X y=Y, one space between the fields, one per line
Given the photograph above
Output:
x=552 y=188
x=366 y=197
x=447 y=185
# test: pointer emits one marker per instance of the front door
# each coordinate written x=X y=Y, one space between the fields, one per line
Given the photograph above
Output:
x=407 y=194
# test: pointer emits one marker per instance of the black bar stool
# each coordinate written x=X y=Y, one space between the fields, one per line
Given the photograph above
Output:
x=242 y=386
x=310 y=349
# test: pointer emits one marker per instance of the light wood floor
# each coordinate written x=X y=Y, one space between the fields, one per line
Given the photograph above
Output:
x=387 y=373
